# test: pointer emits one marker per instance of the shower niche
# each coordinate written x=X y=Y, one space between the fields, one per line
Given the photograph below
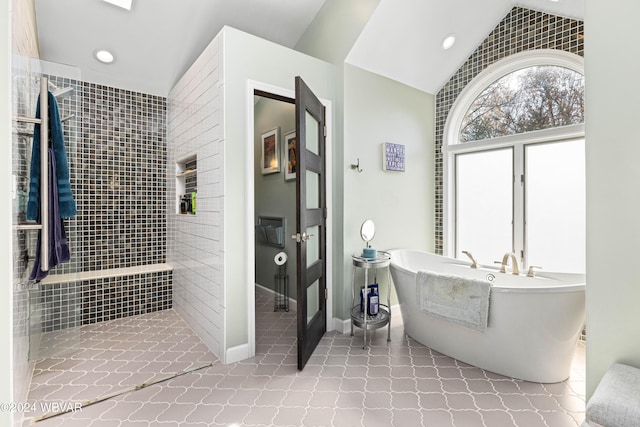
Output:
x=186 y=185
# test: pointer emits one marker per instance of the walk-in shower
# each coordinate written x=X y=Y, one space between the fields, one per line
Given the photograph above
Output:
x=116 y=150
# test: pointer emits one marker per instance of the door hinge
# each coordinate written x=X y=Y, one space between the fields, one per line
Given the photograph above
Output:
x=326 y=293
x=522 y=179
x=324 y=131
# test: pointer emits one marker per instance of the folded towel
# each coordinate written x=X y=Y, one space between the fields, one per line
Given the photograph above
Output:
x=66 y=203
x=616 y=399
x=456 y=299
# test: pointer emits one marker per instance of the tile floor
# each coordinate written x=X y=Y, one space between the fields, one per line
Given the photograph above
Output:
x=402 y=384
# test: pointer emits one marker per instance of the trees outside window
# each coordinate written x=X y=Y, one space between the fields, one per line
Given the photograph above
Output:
x=526 y=100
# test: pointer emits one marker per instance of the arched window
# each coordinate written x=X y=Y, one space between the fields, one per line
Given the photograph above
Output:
x=514 y=163
x=526 y=100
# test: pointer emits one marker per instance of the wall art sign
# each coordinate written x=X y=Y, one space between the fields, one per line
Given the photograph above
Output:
x=393 y=157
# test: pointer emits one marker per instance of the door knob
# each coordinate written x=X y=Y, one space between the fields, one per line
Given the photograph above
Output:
x=301 y=237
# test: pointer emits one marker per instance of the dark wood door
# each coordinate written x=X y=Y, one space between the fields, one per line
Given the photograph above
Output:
x=310 y=221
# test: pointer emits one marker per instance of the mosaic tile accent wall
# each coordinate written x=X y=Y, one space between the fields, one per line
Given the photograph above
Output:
x=116 y=149
x=66 y=305
x=521 y=30
x=121 y=178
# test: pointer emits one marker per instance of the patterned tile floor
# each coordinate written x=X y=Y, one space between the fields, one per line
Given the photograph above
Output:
x=403 y=384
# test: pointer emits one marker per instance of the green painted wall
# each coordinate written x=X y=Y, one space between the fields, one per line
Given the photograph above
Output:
x=378 y=110
x=330 y=37
x=371 y=110
x=246 y=58
x=274 y=197
x=336 y=28
x=613 y=201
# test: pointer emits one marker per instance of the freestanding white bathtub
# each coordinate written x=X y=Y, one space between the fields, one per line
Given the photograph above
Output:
x=533 y=326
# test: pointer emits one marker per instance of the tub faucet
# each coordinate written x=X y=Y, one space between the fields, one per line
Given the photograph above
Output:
x=505 y=261
x=474 y=264
x=531 y=272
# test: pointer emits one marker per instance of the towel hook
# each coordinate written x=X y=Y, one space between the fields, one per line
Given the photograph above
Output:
x=356 y=167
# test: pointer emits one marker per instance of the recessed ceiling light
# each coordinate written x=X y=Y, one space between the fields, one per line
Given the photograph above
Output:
x=125 y=4
x=105 y=56
x=449 y=41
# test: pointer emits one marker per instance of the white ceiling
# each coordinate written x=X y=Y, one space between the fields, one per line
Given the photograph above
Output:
x=157 y=40
x=402 y=40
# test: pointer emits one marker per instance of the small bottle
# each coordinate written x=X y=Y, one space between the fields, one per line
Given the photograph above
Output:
x=183 y=205
x=374 y=301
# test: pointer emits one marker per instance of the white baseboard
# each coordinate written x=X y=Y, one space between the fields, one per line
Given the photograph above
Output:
x=236 y=354
x=270 y=293
x=344 y=326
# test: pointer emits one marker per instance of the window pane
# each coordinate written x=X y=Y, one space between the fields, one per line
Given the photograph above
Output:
x=530 y=99
x=555 y=206
x=484 y=200
x=313 y=189
x=313 y=245
x=312 y=133
x=313 y=303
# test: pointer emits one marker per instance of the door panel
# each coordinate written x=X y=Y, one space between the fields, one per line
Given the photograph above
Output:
x=310 y=221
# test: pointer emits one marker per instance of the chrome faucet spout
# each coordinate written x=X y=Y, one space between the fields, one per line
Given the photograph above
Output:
x=474 y=264
x=514 y=263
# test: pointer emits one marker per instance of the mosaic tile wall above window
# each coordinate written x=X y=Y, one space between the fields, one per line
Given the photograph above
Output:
x=521 y=30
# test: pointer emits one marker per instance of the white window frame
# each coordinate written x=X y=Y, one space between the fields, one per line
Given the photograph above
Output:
x=451 y=145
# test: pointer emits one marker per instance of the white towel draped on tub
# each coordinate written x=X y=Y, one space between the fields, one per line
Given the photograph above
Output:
x=457 y=299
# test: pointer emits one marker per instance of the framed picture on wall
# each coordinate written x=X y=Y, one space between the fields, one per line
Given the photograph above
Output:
x=290 y=146
x=270 y=151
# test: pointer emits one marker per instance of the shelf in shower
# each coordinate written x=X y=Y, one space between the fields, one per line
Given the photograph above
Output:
x=187 y=172
x=101 y=274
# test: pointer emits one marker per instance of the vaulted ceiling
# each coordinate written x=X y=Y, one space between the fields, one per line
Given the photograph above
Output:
x=157 y=40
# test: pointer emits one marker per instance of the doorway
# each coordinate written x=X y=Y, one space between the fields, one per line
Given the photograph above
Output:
x=272 y=200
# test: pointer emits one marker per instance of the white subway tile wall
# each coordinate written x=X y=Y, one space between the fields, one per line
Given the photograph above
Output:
x=196 y=242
